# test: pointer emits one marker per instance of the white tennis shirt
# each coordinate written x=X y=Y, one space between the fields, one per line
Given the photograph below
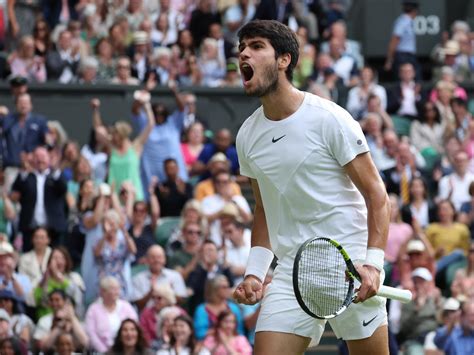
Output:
x=298 y=163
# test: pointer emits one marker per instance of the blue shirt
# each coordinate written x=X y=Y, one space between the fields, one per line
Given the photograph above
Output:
x=231 y=153
x=17 y=139
x=456 y=343
x=24 y=282
x=404 y=29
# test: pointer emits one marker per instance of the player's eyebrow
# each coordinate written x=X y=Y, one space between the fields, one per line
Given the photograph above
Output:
x=250 y=42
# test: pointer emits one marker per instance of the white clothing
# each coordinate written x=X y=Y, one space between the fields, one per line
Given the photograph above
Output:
x=455 y=188
x=141 y=283
x=408 y=104
x=39 y=215
x=357 y=101
x=30 y=266
x=43 y=327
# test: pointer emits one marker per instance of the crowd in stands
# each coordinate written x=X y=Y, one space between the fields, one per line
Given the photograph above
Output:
x=131 y=243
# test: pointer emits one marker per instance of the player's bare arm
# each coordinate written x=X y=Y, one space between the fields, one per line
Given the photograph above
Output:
x=250 y=291
x=365 y=176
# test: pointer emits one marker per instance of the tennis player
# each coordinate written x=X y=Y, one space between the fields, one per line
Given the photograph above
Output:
x=312 y=175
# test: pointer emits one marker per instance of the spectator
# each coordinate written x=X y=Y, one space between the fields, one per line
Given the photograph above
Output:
x=56 y=137
x=374 y=105
x=123 y=73
x=124 y=163
x=201 y=19
x=163 y=34
x=13 y=345
x=164 y=140
x=142 y=227
x=420 y=210
x=235 y=16
x=65 y=321
x=222 y=143
x=463 y=283
x=404 y=99
x=458 y=339
x=129 y=340
x=21 y=18
x=447 y=75
x=42 y=196
x=359 y=95
x=192 y=145
x=402 y=45
x=58 y=276
x=115 y=251
x=69 y=157
x=464 y=62
x=7 y=209
x=173 y=193
x=189 y=72
x=11 y=280
x=162 y=69
x=445 y=92
x=455 y=186
x=106 y=62
x=182 y=340
x=64 y=344
x=462 y=119
x=42 y=38
x=22 y=131
x=24 y=62
x=62 y=64
x=35 y=262
x=466 y=214
x=87 y=71
x=105 y=315
x=18 y=86
x=225 y=49
x=419 y=316
x=338 y=30
x=428 y=133
x=449 y=53
x=344 y=66
x=162 y=297
x=212 y=66
x=224 y=339
x=217 y=300
x=59 y=12
x=145 y=281
x=140 y=55
x=165 y=322
x=118 y=37
x=232 y=77
x=208 y=267
x=21 y=325
x=236 y=248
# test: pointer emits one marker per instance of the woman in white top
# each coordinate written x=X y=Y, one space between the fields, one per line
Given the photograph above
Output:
x=34 y=263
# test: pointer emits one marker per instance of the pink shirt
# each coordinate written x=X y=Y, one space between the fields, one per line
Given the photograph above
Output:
x=188 y=156
x=398 y=234
x=239 y=344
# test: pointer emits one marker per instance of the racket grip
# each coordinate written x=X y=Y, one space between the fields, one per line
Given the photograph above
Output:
x=393 y=293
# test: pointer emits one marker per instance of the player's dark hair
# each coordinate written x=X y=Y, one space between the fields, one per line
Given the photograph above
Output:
x=281 y=37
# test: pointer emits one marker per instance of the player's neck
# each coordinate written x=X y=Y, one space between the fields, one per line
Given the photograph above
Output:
x=283 y=102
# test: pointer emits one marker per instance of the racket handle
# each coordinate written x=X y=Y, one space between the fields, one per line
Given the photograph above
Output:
x=393 y=293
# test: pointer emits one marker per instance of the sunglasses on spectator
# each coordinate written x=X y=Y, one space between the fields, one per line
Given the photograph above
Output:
x=193 y=231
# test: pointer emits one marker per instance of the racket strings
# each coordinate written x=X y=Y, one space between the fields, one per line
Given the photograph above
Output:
x=323 y=281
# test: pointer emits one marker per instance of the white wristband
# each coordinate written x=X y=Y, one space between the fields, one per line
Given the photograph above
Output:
x=375 y=258
x=259 y=261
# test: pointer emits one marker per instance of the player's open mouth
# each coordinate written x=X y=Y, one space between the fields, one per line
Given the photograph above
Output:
x=247 y=72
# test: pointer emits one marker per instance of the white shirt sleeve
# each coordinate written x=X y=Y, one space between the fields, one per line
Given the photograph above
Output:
x=244 y=165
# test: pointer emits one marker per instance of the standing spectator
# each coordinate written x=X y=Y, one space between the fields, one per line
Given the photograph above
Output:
x=352 y=48
x=63 y=63
x=42 y=38
x=24 y=62
x=463 y=283
x=404 y=98
x=402 y=45
x=223 y=339
x=104 y=316
x=201 y=19
x=42 y=196
x=164 y=139
x=22 y=131
x=192 y=145
x=235 y=16
x=56 y=12
x=129 y=340
x=455 y=186
x=455 y=338
x=35 y=262
x=145 y=282
x=172 y=193
x=142 y=227
x=21 y=18
x=140 y=55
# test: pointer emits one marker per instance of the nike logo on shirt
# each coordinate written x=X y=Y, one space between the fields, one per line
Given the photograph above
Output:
x=365 y=324
x=276 y=140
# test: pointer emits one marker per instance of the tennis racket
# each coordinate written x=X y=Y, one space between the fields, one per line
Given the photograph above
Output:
x=323 y=279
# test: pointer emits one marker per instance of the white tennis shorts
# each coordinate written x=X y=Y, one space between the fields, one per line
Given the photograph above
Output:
x=280 y=312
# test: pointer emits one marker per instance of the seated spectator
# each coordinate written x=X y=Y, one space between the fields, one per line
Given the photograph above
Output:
x=429 y=131
x=69 y=156
x=358 y=95
x=182 y=340
x=420 y=210
x=145 y=281
x=161 y=67
x=374 y=105
x=217 y=300
x=106 y=62
x=21 y=325
x=35 y=262
x=24 y=62
x=65 y=321
x=142 y=227
x=81 y=171
x=87 y=71
x=13 y=345
x=345 y=66
x=42 y=38
x=114 y=250
x=216 y=164
x=185 y=256
x=163 y=34
x=447 y=75
x=42 y=196
x=466 y=214
x=11 y=280
x=192 y=145
x=207 y=267
x=64 y=344
x=462 y=118
x=63 y=63
x=338 y=29
x=404 y=98
x=455 y=186
x=57 y=300
x=129 y=340
x=59 y=276
x=105 y=315
x=445 y=92
x=123 y=73
x=223 y=339
x=162 y=296
x=465 y=59
x=56 y=137
x=372 y=127
x=173 y=192
x=236 y=248
x=419 y=316
x=458 y=338
x=212 y=66
x=463 y=283
x=232 y=78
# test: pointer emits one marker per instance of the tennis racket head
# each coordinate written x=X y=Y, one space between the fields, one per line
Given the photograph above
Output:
x=323 y=281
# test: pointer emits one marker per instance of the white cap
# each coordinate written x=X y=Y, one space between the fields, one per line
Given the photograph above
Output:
x=415 y=245
x=423 y=273
x=451 y=304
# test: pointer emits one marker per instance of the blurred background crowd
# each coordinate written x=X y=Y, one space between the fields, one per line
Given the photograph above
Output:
x=132 y=242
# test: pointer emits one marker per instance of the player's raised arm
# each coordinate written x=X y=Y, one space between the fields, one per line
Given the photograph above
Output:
x=365 y=176
x=250 y=290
